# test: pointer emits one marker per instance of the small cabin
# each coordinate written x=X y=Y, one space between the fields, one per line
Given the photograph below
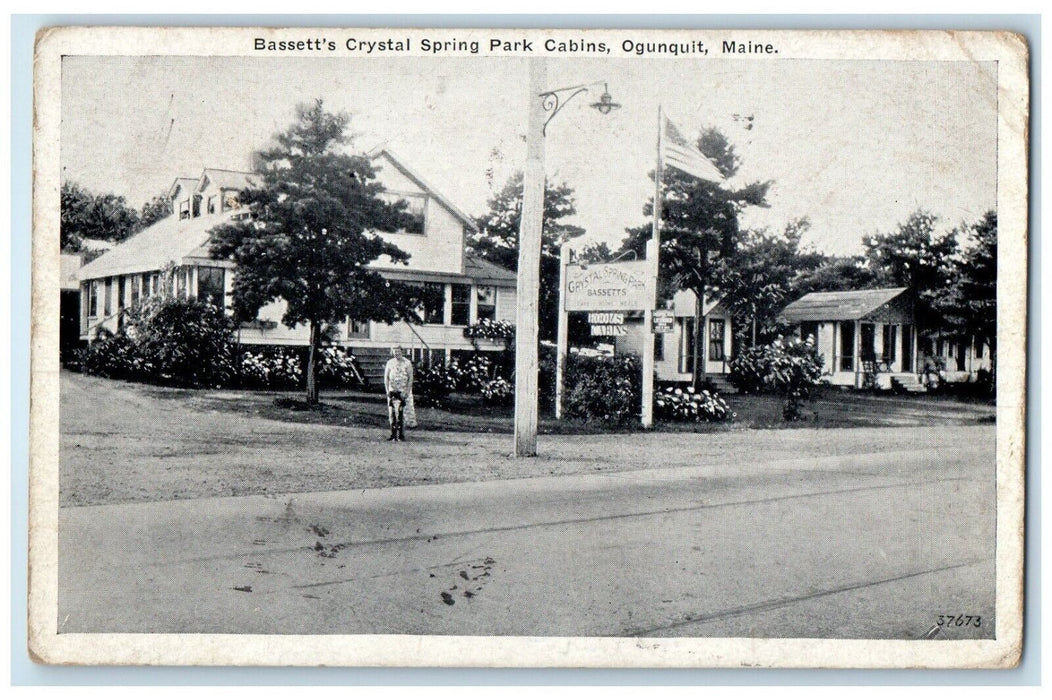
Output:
x=867 y=335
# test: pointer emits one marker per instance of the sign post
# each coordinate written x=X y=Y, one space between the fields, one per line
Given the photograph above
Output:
x=563 y=334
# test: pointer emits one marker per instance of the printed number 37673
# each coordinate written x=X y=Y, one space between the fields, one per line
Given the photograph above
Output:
x=959 y=621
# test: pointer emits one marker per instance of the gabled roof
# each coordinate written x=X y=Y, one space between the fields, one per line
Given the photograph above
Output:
x=839 y=306
x=423 y=184
x=169 y=240
x=225 y=179
x=188 y=183
x=484 y=271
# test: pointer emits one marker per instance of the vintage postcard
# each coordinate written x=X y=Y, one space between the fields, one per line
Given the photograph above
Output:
x=479 y=347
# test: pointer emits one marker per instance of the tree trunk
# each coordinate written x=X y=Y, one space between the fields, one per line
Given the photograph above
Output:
x=312 y=364
x=699 y=341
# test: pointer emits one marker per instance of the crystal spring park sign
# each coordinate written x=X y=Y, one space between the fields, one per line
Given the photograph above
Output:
x=606 y=287
x=606 y=291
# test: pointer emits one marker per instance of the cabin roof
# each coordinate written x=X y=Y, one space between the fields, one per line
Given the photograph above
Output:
x=839 y=306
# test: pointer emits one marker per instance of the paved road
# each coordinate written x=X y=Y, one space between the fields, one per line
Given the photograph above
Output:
x=859 y=546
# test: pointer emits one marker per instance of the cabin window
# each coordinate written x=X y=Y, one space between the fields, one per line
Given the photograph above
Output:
x=212 y=202
x=415 y=209
x=197 y=205
x=887 y=355
x=847 y=346
x=461 y=315
x=434 y=307
x=107 y=298
x=210 y=285
x=133 y=295
x=93 y=298
x=686 y=347
x=486 y=303
x=717 y=328
x=184 y=209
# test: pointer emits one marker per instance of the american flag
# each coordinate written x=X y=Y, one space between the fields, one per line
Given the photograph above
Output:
x=680 y=154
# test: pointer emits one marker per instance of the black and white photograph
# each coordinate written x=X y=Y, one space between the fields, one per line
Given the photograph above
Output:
x=528 y=347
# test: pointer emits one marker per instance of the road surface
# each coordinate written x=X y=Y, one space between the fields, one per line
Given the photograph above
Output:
x=866 y=545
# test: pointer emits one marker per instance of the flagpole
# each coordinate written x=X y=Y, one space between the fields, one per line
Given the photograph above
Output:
x=653 y=250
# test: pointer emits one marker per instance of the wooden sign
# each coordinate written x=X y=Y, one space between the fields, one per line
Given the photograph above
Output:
x=606 y=287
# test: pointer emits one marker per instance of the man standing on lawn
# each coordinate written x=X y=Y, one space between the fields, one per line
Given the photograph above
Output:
x=398 y=383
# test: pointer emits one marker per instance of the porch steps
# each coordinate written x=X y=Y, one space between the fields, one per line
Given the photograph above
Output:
x=722 y=384
x=372 y=362
x=907 y=384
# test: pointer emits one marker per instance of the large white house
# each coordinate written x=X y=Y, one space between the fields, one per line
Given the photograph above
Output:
x=172 y=256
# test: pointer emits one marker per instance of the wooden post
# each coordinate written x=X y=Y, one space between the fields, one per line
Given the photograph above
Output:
x=563 y=335
x=647 y=416
x=527 y=288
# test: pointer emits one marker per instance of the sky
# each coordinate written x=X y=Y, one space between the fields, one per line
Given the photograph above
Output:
x=855 y=146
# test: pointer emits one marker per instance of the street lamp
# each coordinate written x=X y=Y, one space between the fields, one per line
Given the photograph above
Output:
x=542 y=111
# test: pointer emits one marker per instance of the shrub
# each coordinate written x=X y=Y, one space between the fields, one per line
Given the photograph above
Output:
x=471 y=375
x=432 y=386
x=604 y=389
x=339 y=368
x=492 y=330
x=115 y=356
x=270 y=368
x=498 y=392
x=790 y=367
x=687 y=405
x=167 y=341
x=184 y=341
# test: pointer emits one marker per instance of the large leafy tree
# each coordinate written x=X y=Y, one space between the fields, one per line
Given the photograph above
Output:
x=915 y=256
x=700 y=224
x=155 y=210
x=85 y=214
x=969 y=302
x=498 y=240
x=309 y=241
x=759 y=278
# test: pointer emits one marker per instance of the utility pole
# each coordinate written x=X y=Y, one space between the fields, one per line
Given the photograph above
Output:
x=527 y=288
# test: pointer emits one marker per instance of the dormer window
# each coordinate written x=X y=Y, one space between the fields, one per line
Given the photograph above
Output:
x=197 y=205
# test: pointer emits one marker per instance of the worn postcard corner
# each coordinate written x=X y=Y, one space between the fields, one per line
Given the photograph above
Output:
x=485 y=347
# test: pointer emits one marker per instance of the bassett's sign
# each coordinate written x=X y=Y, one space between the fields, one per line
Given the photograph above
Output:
x=606 y=287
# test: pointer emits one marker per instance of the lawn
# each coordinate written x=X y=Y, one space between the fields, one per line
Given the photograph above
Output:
x=122 y=442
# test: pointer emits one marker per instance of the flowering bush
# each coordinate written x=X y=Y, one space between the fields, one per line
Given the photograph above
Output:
x=791 y=367
x=432 y=386
x=492 y=330
x=604 y=389
x=340 y=368
x=472 y=374
x=498 y=392
x=270 y=368
x=183 y=342
x=688 y=405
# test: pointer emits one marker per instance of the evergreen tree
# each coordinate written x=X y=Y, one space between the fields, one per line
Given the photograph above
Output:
x=309 y=239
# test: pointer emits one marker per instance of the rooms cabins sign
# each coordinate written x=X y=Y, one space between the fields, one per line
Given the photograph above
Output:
x=610 y=287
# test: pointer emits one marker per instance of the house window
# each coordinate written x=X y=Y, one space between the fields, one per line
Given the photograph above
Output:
x=184 y=209
x=686 y=347
x=888 y=354
x=107 y=297
x=461 y=305
x=133 y=283
x=486 y=303
x=717 y=327
x=93 y=298
x=212 y=204
x=197 y=205
x=210 y=285
x=847 y=346
x=434 y=307
x=416 y=209
x=357 y=329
